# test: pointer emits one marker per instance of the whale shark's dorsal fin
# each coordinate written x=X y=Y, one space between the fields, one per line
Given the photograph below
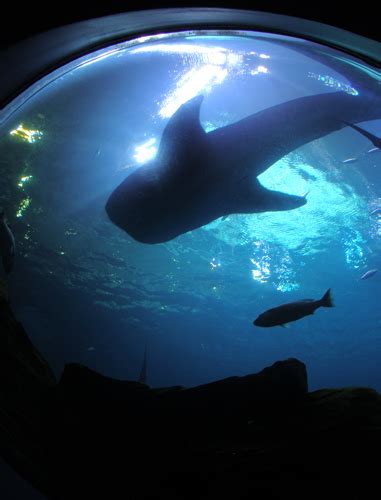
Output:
x=183 y=131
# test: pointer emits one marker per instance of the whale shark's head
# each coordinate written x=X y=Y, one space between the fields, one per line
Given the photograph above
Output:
x=152 y=211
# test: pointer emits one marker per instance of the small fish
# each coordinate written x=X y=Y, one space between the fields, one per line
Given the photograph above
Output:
x=350 y=160
x=373 y=150
x=285 y=313
x=7 y=244
x=376 y=211
x=368 y=274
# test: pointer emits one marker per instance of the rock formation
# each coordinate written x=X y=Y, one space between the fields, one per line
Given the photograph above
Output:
x=263 y=435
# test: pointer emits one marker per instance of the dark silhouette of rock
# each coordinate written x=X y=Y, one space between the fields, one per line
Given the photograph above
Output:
x=25 y=380
x=262 y=435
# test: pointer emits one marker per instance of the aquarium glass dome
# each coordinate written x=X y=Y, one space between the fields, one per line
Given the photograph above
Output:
x=307 y=118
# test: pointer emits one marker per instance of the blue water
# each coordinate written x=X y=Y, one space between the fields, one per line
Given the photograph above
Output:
x=87 y=292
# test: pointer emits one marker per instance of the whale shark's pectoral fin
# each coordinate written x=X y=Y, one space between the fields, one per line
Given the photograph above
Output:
x=373 y=138
x=260 y=199
x=183 y=134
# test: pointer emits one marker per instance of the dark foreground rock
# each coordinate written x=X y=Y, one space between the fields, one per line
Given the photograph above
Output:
x=259 y=436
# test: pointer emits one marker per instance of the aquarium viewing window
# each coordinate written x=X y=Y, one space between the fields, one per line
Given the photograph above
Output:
x=246 y=101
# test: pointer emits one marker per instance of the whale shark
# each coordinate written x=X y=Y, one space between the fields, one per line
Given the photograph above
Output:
x=198 y=176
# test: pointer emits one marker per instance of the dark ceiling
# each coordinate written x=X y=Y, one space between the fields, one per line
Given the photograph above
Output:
x=20 y=21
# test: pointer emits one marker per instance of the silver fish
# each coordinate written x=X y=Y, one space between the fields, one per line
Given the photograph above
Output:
x=7 y=244
x=368 y=274
x=350 y=160
x=375 y=211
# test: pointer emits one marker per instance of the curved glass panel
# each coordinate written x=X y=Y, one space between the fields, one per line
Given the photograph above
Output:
x=275 y=112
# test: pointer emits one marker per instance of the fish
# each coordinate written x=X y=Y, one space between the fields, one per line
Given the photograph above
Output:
x=292 y=311
x=7 y=244
x=376 y=141
x=194 y=180
x=373 y=150
x=197 y=176
x=143 y=372
x=368 y=274
x=350 y=160
x=376 y=211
